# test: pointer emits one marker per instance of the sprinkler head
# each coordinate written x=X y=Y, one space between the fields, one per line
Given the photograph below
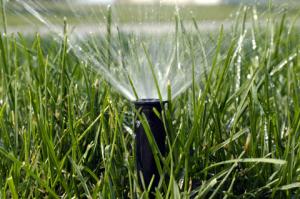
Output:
x=145 y=162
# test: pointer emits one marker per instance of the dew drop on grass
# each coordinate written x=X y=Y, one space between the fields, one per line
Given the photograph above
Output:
x=266 y=130
x=255 y=16
x=129 y=130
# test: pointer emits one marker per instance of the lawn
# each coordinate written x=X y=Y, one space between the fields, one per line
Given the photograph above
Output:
x=65 y=132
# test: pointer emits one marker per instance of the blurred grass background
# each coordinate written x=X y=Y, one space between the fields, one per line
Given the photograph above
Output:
x=135 y=13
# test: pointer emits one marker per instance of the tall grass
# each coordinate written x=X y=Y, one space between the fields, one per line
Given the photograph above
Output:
x=64 y=133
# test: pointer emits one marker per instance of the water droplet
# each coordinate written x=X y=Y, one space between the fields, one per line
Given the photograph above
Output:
x=179 y=65
x=266 y=131
x=255 y=16
x=254 y=44
x=137 y=124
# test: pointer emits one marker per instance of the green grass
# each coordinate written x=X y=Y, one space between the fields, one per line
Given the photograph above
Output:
x=65 y=133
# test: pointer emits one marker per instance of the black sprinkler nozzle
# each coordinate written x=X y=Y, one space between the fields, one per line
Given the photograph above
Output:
x=144 y=157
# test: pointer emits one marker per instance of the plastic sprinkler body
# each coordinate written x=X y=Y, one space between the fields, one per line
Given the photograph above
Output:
x=145 y=161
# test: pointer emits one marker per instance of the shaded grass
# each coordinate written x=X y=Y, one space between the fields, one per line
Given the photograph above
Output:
x=65 y=133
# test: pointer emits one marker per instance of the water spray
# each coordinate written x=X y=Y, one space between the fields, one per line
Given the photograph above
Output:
x=147 y=169
x=125 y=57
